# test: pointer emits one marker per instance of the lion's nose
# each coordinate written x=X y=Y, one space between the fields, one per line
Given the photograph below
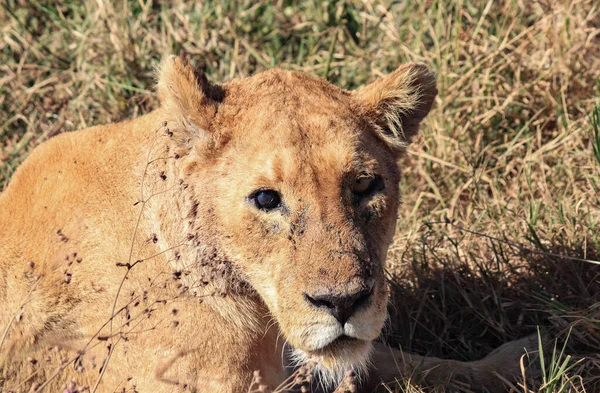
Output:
x=340 y=306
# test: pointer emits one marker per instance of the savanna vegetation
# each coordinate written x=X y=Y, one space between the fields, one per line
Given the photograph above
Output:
x=498 y=236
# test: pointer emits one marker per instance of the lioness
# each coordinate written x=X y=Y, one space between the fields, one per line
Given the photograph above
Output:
x=234 y=226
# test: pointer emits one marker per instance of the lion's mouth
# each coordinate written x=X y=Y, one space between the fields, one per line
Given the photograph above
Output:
x=343 y=339
x=340 y=342
x=340 y=355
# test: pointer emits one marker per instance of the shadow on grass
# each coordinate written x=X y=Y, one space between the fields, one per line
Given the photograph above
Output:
x=451 y=305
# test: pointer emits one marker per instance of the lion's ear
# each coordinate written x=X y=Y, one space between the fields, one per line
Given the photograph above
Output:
x=186 y=94
x=399 y=101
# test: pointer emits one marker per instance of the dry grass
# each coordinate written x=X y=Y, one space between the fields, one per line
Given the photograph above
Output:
x=511 y=149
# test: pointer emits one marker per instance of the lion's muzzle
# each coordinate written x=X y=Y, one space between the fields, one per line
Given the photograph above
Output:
x=341 y=305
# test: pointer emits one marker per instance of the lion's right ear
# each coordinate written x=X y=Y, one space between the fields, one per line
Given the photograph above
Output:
x=186 y=94
x=399 y=102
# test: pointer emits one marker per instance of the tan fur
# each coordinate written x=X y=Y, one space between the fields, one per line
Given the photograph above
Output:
x=132 y=256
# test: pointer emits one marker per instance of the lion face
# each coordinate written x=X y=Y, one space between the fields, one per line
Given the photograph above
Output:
x=310 y=219
x=298 y=181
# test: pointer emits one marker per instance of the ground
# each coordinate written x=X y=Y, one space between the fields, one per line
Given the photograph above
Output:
x=498 y=232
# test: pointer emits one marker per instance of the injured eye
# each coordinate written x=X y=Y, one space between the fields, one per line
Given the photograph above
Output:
x=366 y=185
x=266 y=199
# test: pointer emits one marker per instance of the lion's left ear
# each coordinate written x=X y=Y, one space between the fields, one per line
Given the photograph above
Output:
x=399 y=101
x=186 y=93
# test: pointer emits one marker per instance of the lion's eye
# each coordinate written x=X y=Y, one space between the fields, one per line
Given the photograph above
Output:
x=362 y=184
x=366 y=185
x=266 y=199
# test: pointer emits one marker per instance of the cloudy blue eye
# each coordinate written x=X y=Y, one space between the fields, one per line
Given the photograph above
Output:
x=266 y=199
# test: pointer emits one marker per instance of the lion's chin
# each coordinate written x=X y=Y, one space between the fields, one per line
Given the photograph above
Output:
x=332 y=362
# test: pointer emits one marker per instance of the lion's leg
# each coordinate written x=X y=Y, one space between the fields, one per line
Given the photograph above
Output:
x=390 y=365
x=204 y=352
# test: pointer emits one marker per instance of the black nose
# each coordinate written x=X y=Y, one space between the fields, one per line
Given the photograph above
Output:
x=341 y=306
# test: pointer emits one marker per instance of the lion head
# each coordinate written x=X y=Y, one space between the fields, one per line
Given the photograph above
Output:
x=295 y=182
